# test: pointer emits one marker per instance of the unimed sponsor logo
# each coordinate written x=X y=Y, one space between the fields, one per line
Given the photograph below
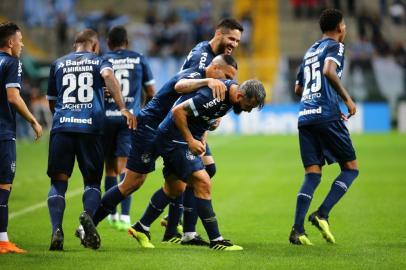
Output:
x=310 y=111
x=75 y=120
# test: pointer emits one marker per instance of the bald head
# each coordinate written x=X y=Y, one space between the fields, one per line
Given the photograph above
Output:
x=87 y=40
x=225 y=60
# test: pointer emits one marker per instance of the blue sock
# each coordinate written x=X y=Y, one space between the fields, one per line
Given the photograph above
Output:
x=155 y=207
x=126 y=203
x=304 y=198
x=56 y=202
x=175 y=213
x=4 y=195
x=208 y=217
x=109 y=182
x=190 y=212
x=108 y=203
x=339 y=187
x=91 y=198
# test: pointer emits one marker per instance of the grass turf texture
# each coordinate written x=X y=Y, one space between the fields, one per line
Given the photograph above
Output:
x=254 y=195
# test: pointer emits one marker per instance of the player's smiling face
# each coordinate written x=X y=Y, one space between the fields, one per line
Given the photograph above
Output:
x=229 y=41
x=17 y=44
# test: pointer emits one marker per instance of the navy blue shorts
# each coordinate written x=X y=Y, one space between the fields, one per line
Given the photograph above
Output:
x=87 y=148
x=7 y=161
x=325 y=142
x=117 y=139
x=143 y=150
x=178 y=160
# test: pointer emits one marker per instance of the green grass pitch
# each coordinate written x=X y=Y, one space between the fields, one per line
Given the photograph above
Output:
x=254 y=195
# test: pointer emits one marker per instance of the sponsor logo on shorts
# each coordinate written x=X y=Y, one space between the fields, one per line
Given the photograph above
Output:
x=13 y=166
x=189 y=155
x=146 y=157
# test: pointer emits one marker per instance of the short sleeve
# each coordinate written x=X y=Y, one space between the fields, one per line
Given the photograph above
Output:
x=147 y=77
x=105 y=64
x=13 y=75
x=335 y=52
x=52 y=92
x=200 y=103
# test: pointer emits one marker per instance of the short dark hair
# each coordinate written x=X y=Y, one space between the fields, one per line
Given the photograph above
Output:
x=7 y=30
x=329 y=19
x=254 y=89
x=87 y=35
x=230 y=24
x=229 y=60
x=117 y=36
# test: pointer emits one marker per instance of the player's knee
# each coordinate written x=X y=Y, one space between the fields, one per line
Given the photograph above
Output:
x=211 y=169
x=5 y=187
x=131 y=183
x=202 y=188
x=348 y=176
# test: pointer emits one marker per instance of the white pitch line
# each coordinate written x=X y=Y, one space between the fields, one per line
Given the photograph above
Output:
x=34 y=207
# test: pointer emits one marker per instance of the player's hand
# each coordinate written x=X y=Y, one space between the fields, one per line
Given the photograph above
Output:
x=215 y=125
x=131 y=119
x=352 y=109
x=106 y=92
x=196 y=147
x=218 y=88
x=37 y=129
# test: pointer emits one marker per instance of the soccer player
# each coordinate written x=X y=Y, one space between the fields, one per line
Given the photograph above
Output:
x=180 y=144
x=226 y=38
x=322 y=133
x=76 y=99
x=11 y=44
x=134 y=74
x=141 y=160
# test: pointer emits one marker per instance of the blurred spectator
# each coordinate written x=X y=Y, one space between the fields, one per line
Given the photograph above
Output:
x=361 y=53
x=246 y=38
x=311 y=7
x=399 y=53
x=397 y=12
x=40 y=108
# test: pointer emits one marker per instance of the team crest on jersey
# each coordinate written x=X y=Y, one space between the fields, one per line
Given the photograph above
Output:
x=146 y=157
x=189 y=155
x=13 y=166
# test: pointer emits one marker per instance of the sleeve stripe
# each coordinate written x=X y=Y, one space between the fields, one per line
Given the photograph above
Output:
x=150 y=82
x=105 y=68
x=51 y=97
x=13 y=85
x=333 y=59
x=193 y=107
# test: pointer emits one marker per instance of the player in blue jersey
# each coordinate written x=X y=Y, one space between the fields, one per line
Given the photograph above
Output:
x=134 y=75
x=11 y=45
x=143 y=151
x=323 y=136
x=226 y=38
x=76 y=99
x=180 y=142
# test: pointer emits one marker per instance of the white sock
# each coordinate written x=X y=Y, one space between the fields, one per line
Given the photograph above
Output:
x=187 y=236
x=218 y=238
x=144 y=227
x=125 y=218
x=114 y=217
x=3 y=237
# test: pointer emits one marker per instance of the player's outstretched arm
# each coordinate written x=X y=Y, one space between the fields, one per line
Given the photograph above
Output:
x=180 y=114
x=14 y=98
x=218 y=88
x=113 y=87
x=329 y=71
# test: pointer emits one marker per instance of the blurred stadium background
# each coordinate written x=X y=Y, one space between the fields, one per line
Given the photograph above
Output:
x=255 y=192
x=276 y=35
